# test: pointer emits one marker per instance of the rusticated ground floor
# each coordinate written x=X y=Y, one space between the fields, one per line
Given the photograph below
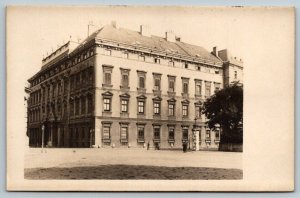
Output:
x=123 y=132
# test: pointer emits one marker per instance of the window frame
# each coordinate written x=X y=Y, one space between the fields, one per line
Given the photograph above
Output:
x=107 y=104
x=107 y=70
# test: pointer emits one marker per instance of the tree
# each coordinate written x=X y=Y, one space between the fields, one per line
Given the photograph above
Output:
x=225 y=108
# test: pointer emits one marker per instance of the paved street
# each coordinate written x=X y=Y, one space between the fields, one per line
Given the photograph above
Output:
x=131 y=164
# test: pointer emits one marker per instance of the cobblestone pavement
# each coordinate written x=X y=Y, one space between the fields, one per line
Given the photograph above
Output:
x=131 y=163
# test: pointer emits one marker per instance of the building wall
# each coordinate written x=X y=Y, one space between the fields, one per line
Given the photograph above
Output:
x=81 y=77
x=117 y=62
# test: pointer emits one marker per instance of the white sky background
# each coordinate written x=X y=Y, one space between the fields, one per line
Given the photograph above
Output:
x=46 y=28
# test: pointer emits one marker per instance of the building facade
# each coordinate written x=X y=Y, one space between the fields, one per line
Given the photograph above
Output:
x=123 y=88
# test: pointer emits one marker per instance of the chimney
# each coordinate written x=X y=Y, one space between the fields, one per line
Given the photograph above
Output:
x=145 y=30
x=215 y=51
x=170 y=36
x=114 y=24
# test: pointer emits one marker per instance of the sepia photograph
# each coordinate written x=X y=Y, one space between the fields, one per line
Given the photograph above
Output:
x=124 y=93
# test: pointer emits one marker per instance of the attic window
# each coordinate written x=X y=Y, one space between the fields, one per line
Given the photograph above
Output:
x=186 y=66
x=198 y=68
x=157 y=60
x=217 y=71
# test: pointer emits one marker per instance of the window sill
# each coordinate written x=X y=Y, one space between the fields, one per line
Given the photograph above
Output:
x=171 y=94
x=141 y=90
x=106 y=113
x=106 y=140
x=124 y=114
x=156 y=92
x=198 y=96
x=122 y=88
x=107 y=86
x=124 y=141
x=156 y=117
x=185 y=118
x=171 y=117
x=171 y=140
x=185 y=95
x=141 y=116
x=156 y=140
x=208 y=141
x=141 y=140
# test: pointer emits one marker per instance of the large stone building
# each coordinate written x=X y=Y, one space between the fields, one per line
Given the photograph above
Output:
x=123 y=88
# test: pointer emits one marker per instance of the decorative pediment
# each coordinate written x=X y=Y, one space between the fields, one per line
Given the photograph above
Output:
x=185 y=101
x=198 y=102
x=125 y=95
x=141 y=97
x=172 y=100
x=108 y=94
x=157 y=98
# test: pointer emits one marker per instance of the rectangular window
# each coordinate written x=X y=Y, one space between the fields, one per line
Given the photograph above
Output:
x=197 y=111
x=106 y=132
x=125 y=80
x=207 y=89
x=124 y=105
x=207 y=136
x=124 y=133
x=106 y=104
x=217 y=135
x=235 y=74
x=141 y=134
x=185 y=88
x=90 y=104
x=171 y=86
x=171 y=109
x=156 y=108
x=198 y=89
x=141 y=82
x=185 y=110
x=171 y=133
x=157 y=60
x=156 y=133
x=107 y=78
x=82 y=105
x=157 y=84
x=185 y=134
x=141 y=107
